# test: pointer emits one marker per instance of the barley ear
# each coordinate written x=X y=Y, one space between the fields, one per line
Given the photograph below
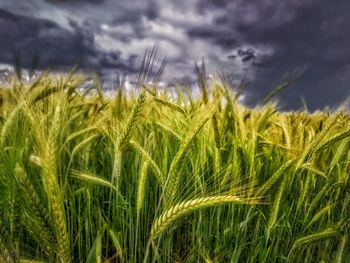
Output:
x=92 y=179
x=141 y=187
x=340 y=253
x=179 y=210
x=309 y=239
x=152 y=164
x=274 y=211
x=7 y=251
x=132 y=121
x=39 y=215
x=173 y=178
x=126 y=135
x=52 y=188
x=333 y=139
x=274 y=178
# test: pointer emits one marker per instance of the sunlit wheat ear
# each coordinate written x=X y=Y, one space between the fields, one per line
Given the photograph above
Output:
x=9 y=125
x=83 y=144
x=98 y=248
x=335 y=138
x=132 y=121
x=173 y=178
x=274 y=211
x=341 y=150
x=126 y=133
x=311 y=147
x=286 y=135
x=81 y=132
x=263 y=119
x=274 y=178
x=141 y=187
x=152 y=164
x=42 y=92
x=40 y=216
x=177 y=211
x=241 y=126
x=169 y=104
x=168 y=130
x=92 y=179
x=117 y=162
x=52 y=188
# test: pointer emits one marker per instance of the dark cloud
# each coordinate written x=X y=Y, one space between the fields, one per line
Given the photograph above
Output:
x=56 y=46
x=152 y=10
x=221 y=36
x=246 y=54
x=309 y=34
x=76 y=1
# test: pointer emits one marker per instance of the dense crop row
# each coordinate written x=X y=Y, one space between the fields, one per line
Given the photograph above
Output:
x=86 y=177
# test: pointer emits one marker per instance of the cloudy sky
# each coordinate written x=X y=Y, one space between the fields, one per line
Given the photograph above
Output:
x=259 y=40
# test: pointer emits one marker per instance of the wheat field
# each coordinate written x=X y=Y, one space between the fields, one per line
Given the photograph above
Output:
x=151 y=177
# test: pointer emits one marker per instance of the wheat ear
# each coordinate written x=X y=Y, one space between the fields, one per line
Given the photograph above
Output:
x=141 y=187
x=333 y=139
x=341 y=249
x=5 y=255
x=8 y=125
x=274 y=178
x=276 y=206
x=168 y=130
x=154 y=167
x=7 y=251
x=184 y=208
x=125 y=135
x=173 y=178
x=92 y=179
x=169 y=104
x=52 y=188
x=325 y=234
x=132 y=120
x=39 y=215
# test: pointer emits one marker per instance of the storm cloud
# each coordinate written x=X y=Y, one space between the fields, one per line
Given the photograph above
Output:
x=260 y=41
x=307 y=34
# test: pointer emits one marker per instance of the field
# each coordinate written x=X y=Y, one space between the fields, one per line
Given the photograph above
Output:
x=148 y=177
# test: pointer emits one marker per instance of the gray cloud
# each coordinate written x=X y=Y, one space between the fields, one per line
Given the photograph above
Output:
x=311 y=34
x=57 y=47
x=74 y=1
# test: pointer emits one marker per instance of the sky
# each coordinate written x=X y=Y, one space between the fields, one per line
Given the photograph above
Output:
x=261 y=41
